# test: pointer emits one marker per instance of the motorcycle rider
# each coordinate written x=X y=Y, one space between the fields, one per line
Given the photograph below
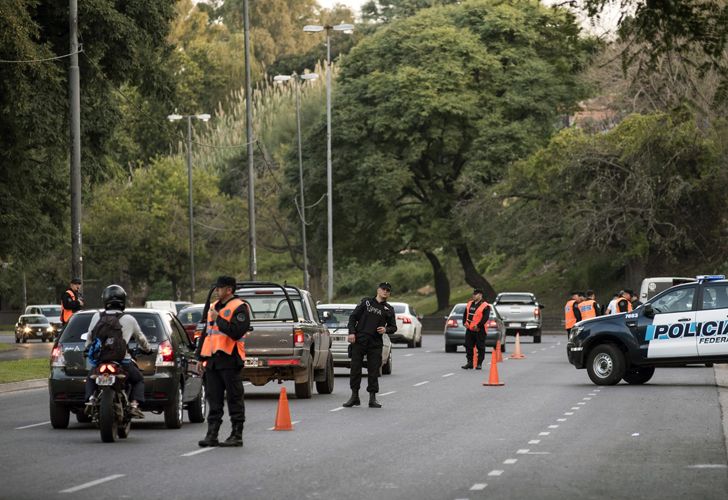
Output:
x=114 y=299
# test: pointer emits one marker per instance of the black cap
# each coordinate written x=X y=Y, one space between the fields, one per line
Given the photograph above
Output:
x=76 y=281
x=582 y=294
x=477 y=290
x=225 y=281
x=629 y=291
x=573 y=293
x=385 y=285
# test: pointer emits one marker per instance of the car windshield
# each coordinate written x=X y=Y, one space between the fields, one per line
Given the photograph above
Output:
x=190 y=315
x=150 y=323
x=338 y=318
x=35 y=320
x=458 y=309
x=272 y=306
x=181 y=305
x=50 y=311
x=515 y=298
x=400 y=309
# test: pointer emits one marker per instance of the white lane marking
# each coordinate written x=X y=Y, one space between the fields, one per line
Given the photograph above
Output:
x=586 y=399
x=197 y=452
x=408 y=355
x=478 y=487
x=534 y=352
x=553 y=426
x=292 y=424
x=428 y=351
x=558 y=343
x=539 y=453
x=32 y=425
x=421 y=383
x=553 y=347
x=448 y=375
x=534 y=441
x=388 y=393
x=707 y=466
x=576 y=408
x=569 y=413
x=592 y=393
x=523 y=452
x=91 y=483
x=543 y=349
x=495 y=473
x=635 y=434
x=510 y=461
x=581 y=403
x=561 y=420
x=544 y=433
x=338 y=409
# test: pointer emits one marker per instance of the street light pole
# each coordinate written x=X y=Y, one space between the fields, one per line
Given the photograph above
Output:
x=249 y=135
x=75 y=114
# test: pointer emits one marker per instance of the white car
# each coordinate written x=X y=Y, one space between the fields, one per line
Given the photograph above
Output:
x=51 y=311
x=409 y=328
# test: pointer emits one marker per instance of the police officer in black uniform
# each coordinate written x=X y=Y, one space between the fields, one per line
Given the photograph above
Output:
x=227 y=323
x=371 y=319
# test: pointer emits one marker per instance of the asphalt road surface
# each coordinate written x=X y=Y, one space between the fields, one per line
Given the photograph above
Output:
x=547 y=433
x=32 y=349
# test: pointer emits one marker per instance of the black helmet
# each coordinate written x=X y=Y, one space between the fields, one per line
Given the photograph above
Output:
x=114 y=297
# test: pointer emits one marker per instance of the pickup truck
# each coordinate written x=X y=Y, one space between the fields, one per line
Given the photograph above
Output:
x=287 y=340
x=521 y=313
x=685 y=324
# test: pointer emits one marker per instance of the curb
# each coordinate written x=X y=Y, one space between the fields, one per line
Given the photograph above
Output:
x=24 y=385
x=721 y=381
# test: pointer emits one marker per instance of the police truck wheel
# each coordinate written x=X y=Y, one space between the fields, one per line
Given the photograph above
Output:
x=387 y=368
x=304 y=390
x=17 y=339
x=537 y=337
x=639 y=374
x=605 y=365
x=60 y=415
x=197 y=409
x=173 y=410
x=327 y=386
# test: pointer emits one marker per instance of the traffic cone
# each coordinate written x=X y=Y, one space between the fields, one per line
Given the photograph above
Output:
x=517 y=352
x=475 y=357
x=499 y=354
x=283 y=415
x=493 y=376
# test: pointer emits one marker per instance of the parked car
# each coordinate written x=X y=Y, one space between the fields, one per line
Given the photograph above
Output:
x=336 y=319
x=171 y=376
x=50 y=311
x=455 y=330
x=190 y=316
x=179 y=305
x=409 y=328
x=33 y=326
x=652 y=286
x=521 y=313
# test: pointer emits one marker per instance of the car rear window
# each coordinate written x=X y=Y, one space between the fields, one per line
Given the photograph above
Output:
x=50 y=311
x=400 y=309
x=516 y=298
x=190 y=315
x=273 y=306
x=458 y=309
x=150 y=323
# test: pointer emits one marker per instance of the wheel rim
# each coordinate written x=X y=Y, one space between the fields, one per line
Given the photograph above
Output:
x=179 y=404
x=603 y=365
x=203 y=401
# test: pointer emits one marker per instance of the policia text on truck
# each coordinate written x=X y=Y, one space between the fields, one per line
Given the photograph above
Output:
x=685 y=324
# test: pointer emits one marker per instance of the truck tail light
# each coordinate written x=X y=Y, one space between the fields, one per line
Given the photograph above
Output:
x=491 y=324
x=405 y=320
x=537 y=312
x=165 y=356
x=298 y=337
x=57 y=358
x=452 y=323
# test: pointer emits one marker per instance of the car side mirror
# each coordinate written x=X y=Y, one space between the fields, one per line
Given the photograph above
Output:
x=84 y=336
x=323 y=316
x=649 y=311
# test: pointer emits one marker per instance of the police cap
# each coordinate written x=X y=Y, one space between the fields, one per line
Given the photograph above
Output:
x=385 y=285
x=225 y=282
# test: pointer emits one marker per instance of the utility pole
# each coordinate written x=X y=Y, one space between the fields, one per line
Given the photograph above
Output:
x=75 y=114
x=297 y=83
x=329 y=177
x=249 y=135
x=189 y=191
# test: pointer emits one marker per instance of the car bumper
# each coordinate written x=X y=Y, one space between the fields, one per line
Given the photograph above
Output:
x=455 y=337
x=575 y=354
x=523 y=329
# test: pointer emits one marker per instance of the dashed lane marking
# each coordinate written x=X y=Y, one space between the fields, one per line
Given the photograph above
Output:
x=523 y=451
x=576 y=407
x=338 y=409
x=554 y=426
x=421 y=383
x=581 y=403
x=569 y=413
x=408 y=355
x=534 y=441
x=635 y=434
x=448 y=375
x=587 y=399
x=561 y=420
x=495 y=473
x=91 y=483
x=546 y=433
x=707 y=466
x=478 y=487
x=197 y=452
x=510 y=461
x=32 y=425
x=388 y=393
x=592 y=393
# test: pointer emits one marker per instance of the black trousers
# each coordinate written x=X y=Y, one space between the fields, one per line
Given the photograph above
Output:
x=474 y=339
x=134 y=379
x=374 y=364
x=218 y=383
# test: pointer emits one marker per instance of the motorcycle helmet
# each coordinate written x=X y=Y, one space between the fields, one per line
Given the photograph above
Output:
x=114 y=297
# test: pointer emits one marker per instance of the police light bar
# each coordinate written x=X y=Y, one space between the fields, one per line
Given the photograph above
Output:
x=710 y=277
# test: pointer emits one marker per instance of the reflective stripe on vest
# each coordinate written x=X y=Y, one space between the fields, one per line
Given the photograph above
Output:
x=477 y=317
x=569 y=316
x=67 y=313
x=619 y=301
x=588 y=309
x=215 y=340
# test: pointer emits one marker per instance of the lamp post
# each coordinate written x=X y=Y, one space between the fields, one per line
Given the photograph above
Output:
x=312 y=28
x=173 y=118
x=302 y=211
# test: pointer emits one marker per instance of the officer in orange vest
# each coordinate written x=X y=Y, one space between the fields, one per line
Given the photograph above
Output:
x=475 y=316
x=572 y=315
x=222 y=345
x=624 y=302
x=72 y=301
x=589 y=308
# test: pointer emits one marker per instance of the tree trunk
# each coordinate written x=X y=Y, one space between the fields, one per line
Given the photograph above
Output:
x=315 y=282
x=472 y=276
x=634 y=273
x=442 y=284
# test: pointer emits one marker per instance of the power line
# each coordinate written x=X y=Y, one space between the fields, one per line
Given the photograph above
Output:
x=7 y=61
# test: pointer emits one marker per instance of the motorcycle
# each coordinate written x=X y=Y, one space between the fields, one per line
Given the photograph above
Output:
x=110 y=410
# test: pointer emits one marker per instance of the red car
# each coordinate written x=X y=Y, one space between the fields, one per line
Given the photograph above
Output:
x=190 y=316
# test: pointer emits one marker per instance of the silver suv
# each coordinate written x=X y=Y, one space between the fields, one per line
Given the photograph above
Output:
x=521 y=313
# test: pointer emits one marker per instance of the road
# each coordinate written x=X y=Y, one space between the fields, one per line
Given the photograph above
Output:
x=33 y=349
x=548 y=433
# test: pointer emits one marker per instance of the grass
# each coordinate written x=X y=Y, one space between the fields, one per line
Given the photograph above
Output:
x=6 y=347
x=23 y=369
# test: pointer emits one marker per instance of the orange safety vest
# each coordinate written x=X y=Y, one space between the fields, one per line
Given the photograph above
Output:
x=477 y=317
x=215 y=340
x=569 y=316
x=67 y=313
x=588 y=309
x=616 y=305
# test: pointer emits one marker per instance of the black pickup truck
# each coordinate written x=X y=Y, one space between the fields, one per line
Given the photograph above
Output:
x=685 y=324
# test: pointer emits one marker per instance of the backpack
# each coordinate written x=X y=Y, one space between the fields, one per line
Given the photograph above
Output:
x=109 y=333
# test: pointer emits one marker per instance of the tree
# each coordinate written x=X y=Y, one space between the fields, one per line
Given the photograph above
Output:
x=389 y=10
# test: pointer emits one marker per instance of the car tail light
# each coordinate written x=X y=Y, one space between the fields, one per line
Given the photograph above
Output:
x=57 y=358
x=284 y=362
x=537 y=312
x=165 y=356
x=491 y=324
x=298 y=337
x=452 y=323
x=107 y=368
x=405 y=319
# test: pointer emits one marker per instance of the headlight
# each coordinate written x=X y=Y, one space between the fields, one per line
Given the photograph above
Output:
x=50 y=329
x=575 y=332
x=26 y=329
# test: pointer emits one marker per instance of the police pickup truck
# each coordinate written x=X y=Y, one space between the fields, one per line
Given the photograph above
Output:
x=684 y=324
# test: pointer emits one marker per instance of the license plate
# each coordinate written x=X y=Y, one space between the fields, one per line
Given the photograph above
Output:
x=251 y=362
x=105 y=379
x=516 y=325
x=339 y=338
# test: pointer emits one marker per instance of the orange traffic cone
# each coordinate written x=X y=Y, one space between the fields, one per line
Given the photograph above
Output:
x=493 y=376
x=499 y=354
x=283 y=415
x=517 y=353
x=475 y=357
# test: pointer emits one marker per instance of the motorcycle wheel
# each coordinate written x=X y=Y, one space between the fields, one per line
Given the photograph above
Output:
x=107 y=416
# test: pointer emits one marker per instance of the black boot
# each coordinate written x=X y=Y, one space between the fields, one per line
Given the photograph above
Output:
x=353 y=400
x=211 y=438
x=467 y=367
x=236 y=436
x=478 y=366
x=373 y=403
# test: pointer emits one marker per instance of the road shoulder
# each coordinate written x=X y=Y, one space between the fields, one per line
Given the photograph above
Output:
x=23 y=385
x=721 y=380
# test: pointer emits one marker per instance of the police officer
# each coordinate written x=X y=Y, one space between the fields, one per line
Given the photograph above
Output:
x=572 y=315
x=475 y=316
x=222 y=345
x=371 y=319
x=624 y=302
x=589 y=308
x=72 y=301
x=612 y=306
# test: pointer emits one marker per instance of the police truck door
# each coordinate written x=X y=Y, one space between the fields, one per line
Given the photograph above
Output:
x=711 y=322
x=672 y=332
